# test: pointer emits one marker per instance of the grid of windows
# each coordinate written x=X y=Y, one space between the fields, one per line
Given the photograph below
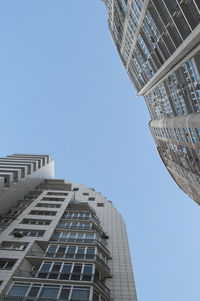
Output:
x=53 y=199
x=44 y=205
x=13 y=246
x=74 y=237
x=76 y=215
x=181 y=134
x=66 y=271
x=29 y=221
x=74 y=225
x=40 y=212
x=77 y=252
x=49 y=292
x=28 y=232
x=57 y=193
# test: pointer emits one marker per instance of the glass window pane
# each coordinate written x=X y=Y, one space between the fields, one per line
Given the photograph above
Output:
x=87 y=269
x=65 y=292
x=34 y=291
x=49 y=292
x=77 y=268
x=45 y=266
x=19 y=290
x=90 y=250
x=52 y=248
x=80 y=294
x=67 y=267
x=55 y=236
x=56 y=267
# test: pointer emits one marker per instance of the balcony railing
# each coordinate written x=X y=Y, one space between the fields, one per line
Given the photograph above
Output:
x=62 y=276
x=102 y=286
x=58 y=255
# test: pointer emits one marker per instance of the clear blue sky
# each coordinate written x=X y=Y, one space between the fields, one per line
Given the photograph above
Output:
x=64 y=91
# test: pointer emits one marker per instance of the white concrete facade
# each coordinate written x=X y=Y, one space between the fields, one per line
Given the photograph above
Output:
x=64 y=241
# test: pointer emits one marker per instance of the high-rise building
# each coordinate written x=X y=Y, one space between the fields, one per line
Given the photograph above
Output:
x=159 y=45
x=59 y=240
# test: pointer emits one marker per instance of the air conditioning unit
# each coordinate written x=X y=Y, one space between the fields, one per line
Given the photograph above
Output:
x=105 y=235
x=18 y=234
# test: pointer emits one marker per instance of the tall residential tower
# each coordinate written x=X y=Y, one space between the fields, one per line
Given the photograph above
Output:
x=159 y=45
x=59 y=240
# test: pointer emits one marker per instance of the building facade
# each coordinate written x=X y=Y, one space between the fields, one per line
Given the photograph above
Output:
x=60 y=240
x=159 y=46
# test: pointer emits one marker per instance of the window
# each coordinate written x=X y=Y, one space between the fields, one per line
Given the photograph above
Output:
x=76 y=215
x=80 y=293
x=100 y=204
x=19 y=289
x=38 y=212
x=78 y=252
x=28 y=232
x=182 y=135
x=53 y=199
x=48 y=205
x=57 y=193
x=194 y=139
x=75 y=189
x=15 y=246
x=187 y=135
x=35 y=221
x=135 y=10
x=198 y=132
x=85 y=193
x=74 y=225
x=7 y=264
x=49 y=292
x=34 y=290
x=5 y=221
x=91 y=199
x=139 y=4
x=66 y=271
x=74 y=237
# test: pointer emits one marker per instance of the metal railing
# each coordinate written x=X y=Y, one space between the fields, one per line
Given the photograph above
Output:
x=102 y=286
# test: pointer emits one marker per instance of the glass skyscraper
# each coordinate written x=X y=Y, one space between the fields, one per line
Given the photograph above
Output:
x=159 y=45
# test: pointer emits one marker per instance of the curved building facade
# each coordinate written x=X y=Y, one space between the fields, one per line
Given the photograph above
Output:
x=159 y=46
x=59 y=240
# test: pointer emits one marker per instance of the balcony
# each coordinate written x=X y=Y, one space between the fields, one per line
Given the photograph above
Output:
x=12 y=298
x=93 y=227
x=81 y=241
x=77 y=257
x=85 y=218
x=23 y=275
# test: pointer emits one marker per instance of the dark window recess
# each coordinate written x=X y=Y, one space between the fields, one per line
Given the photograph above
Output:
x=7 y=264
x=75 y=189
